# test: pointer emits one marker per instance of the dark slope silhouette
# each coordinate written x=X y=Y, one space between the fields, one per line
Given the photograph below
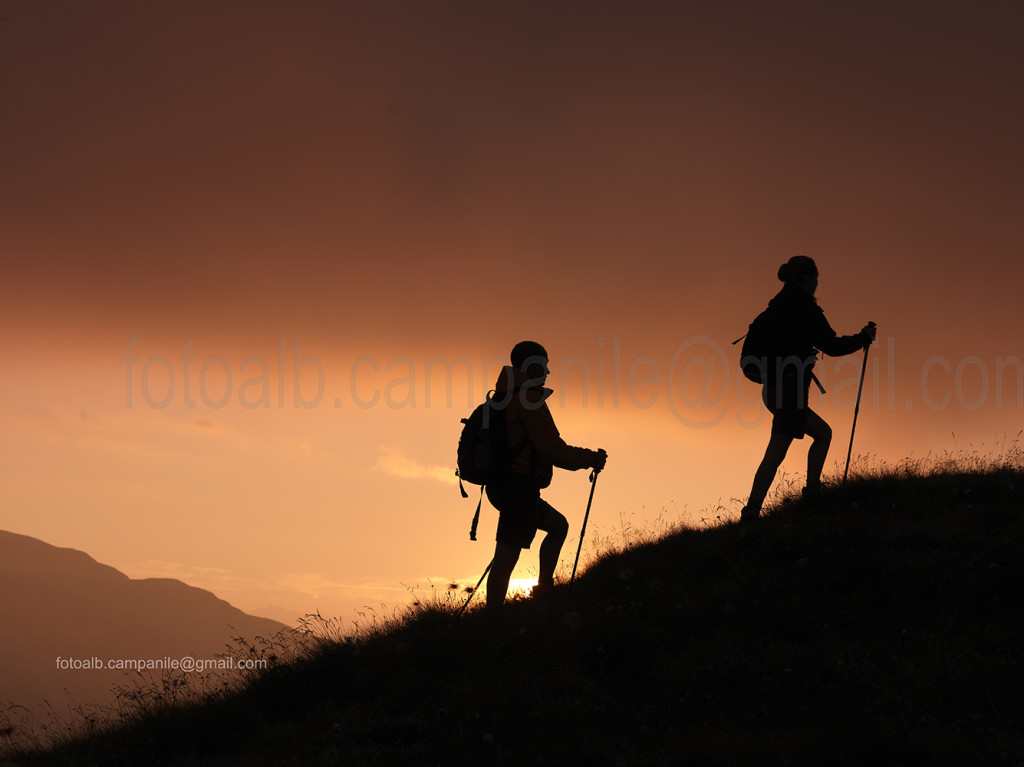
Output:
x=60 y=602
x=884 y=631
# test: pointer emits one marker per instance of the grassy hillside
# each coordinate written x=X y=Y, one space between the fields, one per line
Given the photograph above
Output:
x=882 y=625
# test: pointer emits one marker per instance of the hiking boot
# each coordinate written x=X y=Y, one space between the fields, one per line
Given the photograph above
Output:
x=749 y=515
x=542 y=591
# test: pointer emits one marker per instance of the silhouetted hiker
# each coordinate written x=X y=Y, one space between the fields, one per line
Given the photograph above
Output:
x=535 y=447
x=798 y=328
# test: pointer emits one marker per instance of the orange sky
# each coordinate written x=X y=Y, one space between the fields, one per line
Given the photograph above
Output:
x=429 y=181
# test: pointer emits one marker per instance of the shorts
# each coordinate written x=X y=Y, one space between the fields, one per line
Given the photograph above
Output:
x=786 y=399
x=521 y=510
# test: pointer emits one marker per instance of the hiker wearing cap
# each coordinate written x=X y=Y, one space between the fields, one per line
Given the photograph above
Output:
x=535 y=448
x=798 y=328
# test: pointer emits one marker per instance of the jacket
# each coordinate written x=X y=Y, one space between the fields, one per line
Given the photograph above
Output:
x=533 y=439
x=804 y=328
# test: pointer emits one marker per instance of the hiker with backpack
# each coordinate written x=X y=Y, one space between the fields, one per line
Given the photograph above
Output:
x=531 y=448
x=779 y=353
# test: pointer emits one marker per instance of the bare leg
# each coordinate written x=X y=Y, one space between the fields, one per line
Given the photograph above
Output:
x=774 y=454
x=557 y=528
x=505 y=558
x=821 y=434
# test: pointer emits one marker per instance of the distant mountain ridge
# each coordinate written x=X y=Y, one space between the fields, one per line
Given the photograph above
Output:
x=61 y=603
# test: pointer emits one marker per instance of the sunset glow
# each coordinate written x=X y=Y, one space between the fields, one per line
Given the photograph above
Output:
x=521 y=586
x=261 y=259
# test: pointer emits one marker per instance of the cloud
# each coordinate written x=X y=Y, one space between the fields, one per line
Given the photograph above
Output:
x=160 y=568
x=294 y=593
x=393 y=462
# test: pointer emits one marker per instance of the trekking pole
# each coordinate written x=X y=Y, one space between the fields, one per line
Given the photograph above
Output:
x=473 y=593
x=856 y=409
x=593 y=484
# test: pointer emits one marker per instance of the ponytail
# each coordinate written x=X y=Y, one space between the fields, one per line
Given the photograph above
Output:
x=796 y=268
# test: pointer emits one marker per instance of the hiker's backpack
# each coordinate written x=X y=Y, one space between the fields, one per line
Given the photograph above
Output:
x=762 y=342
x=765 y=345
x=483 y=452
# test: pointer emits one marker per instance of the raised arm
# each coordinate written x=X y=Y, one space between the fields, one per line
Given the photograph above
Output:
x=826 y=340
x=545 y=439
